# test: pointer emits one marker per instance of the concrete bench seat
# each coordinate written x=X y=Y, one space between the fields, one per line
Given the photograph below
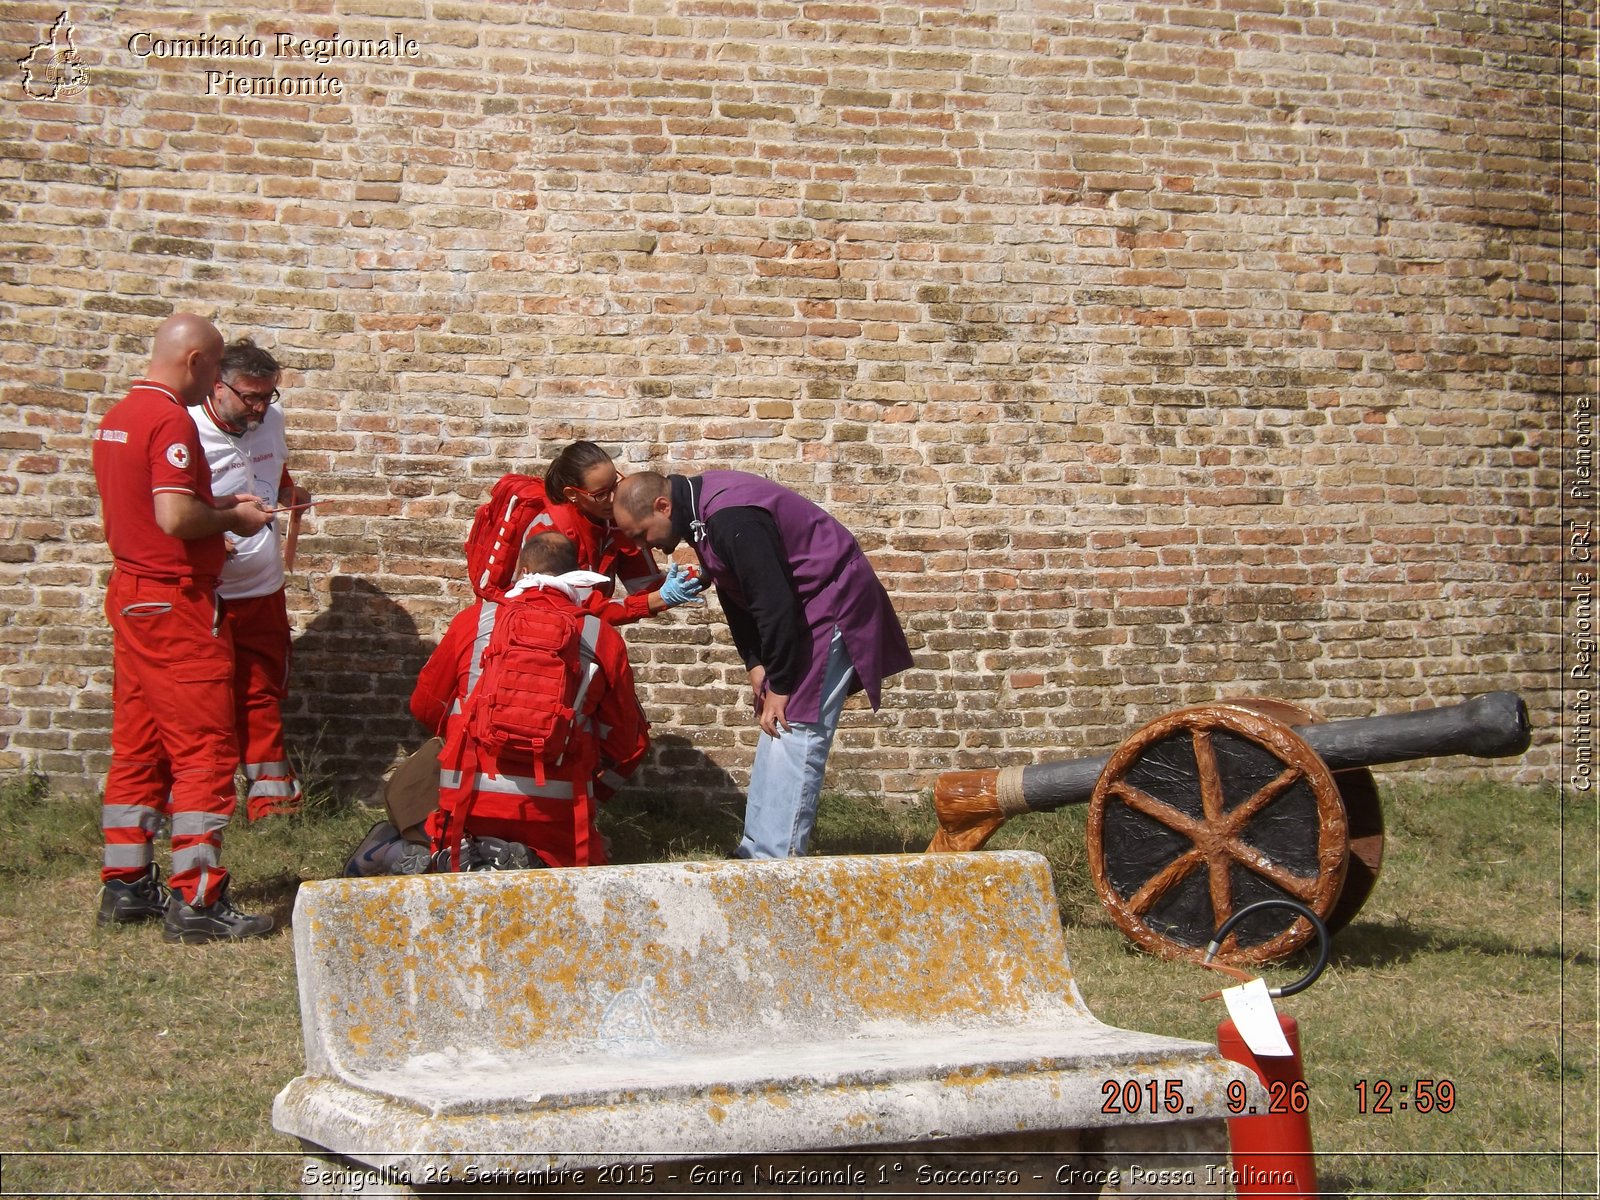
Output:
x=674 y=1011
x=451 y=1084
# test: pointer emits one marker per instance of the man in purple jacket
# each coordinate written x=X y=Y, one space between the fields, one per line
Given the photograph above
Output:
x=807 y=614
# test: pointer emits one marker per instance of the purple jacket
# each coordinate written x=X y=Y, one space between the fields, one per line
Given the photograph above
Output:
x=833 y=582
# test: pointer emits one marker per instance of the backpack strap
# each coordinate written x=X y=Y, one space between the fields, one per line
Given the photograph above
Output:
x=453 y=753
x=588 y=651
x=582 y=814
x=487 y=613
x=588 y=668
x=480 y=643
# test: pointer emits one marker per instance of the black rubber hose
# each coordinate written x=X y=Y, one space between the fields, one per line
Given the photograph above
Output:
x=1324 y=943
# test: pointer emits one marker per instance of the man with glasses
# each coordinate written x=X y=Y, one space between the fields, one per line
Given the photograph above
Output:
x=242 y=434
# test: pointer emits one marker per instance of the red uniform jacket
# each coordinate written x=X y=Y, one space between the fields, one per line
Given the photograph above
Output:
x=600 y=548
x=554 y=819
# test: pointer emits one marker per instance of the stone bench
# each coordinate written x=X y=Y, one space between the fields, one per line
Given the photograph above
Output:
x=505 y=1026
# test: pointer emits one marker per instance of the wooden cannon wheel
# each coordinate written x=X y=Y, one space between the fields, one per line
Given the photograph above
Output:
x=1207 y=810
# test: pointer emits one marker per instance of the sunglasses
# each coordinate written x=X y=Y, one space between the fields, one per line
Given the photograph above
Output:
x=253 y=399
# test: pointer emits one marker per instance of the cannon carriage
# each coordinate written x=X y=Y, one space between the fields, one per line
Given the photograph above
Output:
x=1209 y=809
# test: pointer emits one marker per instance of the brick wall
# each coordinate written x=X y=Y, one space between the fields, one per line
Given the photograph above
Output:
x=1155 y=352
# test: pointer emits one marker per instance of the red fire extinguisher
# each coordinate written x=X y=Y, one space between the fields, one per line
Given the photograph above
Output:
x=1271 y=1150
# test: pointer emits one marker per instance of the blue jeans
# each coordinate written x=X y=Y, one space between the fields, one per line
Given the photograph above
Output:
x=787 y=777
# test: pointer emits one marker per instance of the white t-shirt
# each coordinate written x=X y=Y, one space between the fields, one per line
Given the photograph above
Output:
x=247 y=462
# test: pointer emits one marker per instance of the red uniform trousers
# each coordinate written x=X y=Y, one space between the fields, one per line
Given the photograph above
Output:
x=172 y=742
x=260 y=629
x=555 y=819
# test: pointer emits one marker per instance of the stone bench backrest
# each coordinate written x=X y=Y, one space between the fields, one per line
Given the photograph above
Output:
x=691 y=956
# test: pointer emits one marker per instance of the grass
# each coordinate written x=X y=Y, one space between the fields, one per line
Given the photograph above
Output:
x=126 y=1063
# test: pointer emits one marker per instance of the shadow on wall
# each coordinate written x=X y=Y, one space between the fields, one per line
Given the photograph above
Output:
x=674 y=765
x=350 y=680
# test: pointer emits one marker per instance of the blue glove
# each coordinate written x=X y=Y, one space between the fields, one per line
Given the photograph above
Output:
x=681 y=587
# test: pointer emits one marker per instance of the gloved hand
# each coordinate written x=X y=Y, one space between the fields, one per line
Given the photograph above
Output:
x=683 y=586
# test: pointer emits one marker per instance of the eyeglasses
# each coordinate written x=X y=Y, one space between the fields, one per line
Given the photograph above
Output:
x=604 y=493
x=253 y=399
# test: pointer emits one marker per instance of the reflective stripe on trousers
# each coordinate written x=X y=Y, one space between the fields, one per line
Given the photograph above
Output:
x=119 y=820
x=272 y=781
x=173 y=746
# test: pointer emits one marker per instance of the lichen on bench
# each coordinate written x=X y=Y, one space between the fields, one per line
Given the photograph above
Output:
x=674 y=1010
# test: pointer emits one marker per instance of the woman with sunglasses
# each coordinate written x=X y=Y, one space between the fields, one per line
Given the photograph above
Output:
x=579 y=486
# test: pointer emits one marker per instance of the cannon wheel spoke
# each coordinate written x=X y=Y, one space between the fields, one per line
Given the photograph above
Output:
x=1157 y=810
x=1162 y=881
x=1213 y=803
x=1211 y=795
x=1246 y=812
x=1301 y=887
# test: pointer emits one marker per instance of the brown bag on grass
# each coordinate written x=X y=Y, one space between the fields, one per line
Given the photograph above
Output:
x=411 y=792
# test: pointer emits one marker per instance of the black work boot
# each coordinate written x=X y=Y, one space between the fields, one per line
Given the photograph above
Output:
x=495 y=854
x=142 y=899
x=487 y=854
x=218 y=921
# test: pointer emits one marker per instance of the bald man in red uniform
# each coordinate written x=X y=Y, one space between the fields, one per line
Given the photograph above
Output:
x=172 y=742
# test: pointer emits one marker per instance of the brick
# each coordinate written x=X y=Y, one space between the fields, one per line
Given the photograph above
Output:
x=1191 y=352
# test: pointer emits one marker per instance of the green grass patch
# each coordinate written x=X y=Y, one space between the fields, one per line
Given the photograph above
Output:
x=127 y=1063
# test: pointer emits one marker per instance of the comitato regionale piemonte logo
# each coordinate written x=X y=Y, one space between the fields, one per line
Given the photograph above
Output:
x=51 y=69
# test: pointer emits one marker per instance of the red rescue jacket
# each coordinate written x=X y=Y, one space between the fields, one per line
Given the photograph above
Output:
x=517 y=508
x=609 y=740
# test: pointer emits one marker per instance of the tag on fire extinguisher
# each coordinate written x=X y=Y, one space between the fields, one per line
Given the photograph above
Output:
x=1256 y=1020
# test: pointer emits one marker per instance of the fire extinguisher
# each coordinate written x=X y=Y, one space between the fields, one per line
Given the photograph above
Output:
x=1271 y=1151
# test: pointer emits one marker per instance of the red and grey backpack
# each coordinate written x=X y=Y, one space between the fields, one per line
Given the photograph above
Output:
x=533 y=682
x=528 y=692
x=498 y=531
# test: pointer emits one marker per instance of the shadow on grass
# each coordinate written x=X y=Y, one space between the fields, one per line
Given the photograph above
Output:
x=274 y=895
x=648 y=826
x=690 y=808
x=681 y=805
x=894 y=834
x=1387 y=944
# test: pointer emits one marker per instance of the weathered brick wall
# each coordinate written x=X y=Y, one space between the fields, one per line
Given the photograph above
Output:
x=1155 y=352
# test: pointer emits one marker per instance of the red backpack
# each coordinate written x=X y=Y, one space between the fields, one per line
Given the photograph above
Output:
x=532 y=683
x=498 y=530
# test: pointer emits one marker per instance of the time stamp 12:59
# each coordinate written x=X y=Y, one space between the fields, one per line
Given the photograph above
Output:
x=1377 y=1097
x=1384 y=1096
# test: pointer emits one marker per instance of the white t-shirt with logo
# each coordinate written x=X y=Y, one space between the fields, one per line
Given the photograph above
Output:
x=248 y=462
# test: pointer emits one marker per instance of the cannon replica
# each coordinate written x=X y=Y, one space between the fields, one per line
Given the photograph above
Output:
x=1209 y=809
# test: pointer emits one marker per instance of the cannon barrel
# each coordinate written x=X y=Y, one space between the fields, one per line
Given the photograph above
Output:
x=1494 y=725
